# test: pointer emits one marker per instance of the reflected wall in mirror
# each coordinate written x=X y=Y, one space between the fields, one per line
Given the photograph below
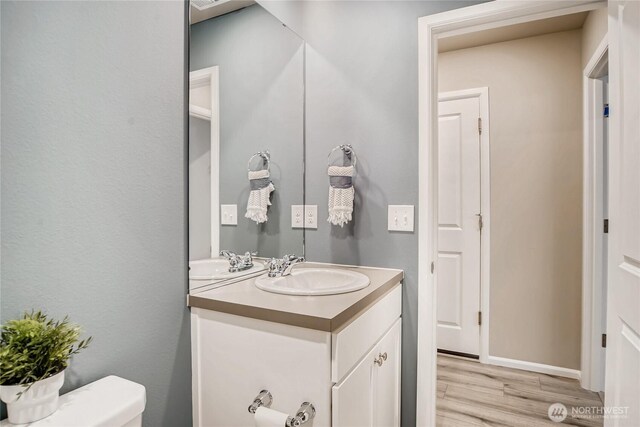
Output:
x=246 y=96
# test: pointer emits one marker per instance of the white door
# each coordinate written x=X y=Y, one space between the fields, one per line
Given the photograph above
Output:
x=622 y=378
x=458 y=224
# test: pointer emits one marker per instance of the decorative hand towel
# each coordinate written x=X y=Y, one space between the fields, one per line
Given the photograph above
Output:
x=261 y=188
x=341 y=194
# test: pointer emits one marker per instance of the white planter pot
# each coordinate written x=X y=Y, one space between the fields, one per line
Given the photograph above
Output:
x=40 y=401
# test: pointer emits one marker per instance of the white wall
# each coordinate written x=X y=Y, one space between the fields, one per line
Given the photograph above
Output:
x=536 y=190
x=593 y=30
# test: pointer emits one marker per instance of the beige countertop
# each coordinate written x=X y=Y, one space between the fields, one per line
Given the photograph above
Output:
x=325 y=313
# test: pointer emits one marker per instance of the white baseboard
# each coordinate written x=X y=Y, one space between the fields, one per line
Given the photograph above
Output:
x=534 y=367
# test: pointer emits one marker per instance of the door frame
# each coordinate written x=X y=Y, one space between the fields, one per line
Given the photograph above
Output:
x=430 y=28
x=210 y=77
x=593 y=354
x=482 y=93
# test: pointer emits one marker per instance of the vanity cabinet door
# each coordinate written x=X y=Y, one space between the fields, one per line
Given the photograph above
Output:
x=352 y=398
x=386 y=387
x=369 y=396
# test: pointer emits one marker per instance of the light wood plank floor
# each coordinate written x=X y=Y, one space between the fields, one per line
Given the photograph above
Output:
x=473 y=394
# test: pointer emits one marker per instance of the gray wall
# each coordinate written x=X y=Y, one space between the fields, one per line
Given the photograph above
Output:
x=261 y=107
x=362 y=88
x=93 y=186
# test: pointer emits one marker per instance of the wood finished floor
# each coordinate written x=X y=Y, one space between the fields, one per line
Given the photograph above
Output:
x=473 y=394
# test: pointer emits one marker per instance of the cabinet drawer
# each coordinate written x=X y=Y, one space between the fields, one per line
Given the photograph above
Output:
x=353 y=341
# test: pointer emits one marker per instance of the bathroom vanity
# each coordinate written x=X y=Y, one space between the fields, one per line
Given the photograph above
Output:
x=339 y=352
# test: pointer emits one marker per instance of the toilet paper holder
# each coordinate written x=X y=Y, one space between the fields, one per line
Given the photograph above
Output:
x=305 y=413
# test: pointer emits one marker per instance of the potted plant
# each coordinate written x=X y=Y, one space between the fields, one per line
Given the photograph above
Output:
x=34 y=352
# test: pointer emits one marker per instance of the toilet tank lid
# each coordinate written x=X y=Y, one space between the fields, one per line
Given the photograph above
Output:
x=110 y=401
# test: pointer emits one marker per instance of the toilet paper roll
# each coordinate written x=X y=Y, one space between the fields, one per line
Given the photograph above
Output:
x=265 y=417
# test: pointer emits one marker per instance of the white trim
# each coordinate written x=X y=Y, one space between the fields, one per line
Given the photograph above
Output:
x=459 y=21
x=534 y=367
x=199 y=112
x=592 y=354
x=482 y=93
x=203 y=77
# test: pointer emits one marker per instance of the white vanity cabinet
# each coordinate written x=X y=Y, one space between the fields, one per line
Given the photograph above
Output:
x=350 y=373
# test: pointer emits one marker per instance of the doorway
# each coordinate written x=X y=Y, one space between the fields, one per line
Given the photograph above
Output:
x=464 y=22
x=595 y=219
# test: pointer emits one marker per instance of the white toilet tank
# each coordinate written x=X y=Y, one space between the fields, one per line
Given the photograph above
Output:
x=109 y=402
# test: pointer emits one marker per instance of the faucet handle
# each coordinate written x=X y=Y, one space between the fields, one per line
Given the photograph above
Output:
x=290 y=257
x=250 y=254
x=273 y=266
x=227 y=254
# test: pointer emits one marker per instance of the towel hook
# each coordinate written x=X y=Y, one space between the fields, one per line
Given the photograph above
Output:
x=346 y=149
x=265 y=155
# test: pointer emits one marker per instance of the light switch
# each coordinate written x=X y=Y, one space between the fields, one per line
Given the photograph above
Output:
x=229 y=214
x=304 y=216
x=400 y=218
x=311 y=216
x=297 y=216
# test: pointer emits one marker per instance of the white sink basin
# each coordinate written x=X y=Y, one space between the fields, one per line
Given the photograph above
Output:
x=218 y=268
x=314 y=281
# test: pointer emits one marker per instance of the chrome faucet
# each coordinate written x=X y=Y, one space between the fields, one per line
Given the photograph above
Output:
x=283 y=267
x=238 y=262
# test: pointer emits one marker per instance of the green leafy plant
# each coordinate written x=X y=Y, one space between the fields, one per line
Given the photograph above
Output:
x=35 y=347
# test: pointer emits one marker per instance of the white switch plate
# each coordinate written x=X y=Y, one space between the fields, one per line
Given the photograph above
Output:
x=304 y=216
x=400 y=218
x=229 y=214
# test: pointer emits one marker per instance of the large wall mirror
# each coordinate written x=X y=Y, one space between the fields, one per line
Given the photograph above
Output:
x=246 y=137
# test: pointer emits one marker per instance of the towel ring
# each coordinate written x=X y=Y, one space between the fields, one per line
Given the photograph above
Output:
x=348 y=150
x=265 y=155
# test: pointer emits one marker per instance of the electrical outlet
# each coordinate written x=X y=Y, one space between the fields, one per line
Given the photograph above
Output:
x=304 y=216
x=400 y=218
x=297 y=216
x=229 y=214
x=311 y=216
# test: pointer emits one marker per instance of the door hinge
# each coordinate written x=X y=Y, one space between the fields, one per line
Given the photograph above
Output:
x=606 y=225
x=480 y=223
x=480 y=125
x=433 y=267
x=604 y=340
x=479 y=318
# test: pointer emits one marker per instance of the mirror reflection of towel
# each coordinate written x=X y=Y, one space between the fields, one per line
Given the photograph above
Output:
x=261 y=188
x=341 y=194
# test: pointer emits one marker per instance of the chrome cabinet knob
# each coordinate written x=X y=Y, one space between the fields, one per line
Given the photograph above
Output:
x=382 y=357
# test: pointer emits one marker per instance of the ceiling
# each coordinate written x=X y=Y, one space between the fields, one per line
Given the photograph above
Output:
x=206 y=9
x=513 y=32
